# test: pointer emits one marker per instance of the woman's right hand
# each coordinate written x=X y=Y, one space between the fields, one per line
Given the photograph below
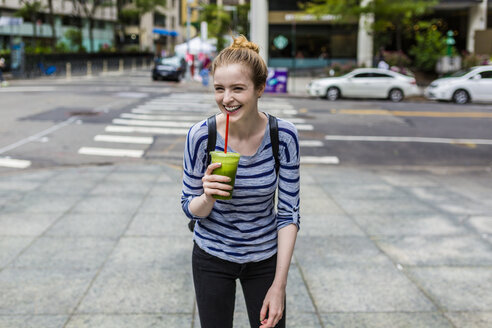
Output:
x=214 y=184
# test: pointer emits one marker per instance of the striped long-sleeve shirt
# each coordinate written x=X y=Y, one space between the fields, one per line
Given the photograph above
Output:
x=244 y=229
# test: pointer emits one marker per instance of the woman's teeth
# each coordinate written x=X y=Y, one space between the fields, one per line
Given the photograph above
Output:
x=232 y=109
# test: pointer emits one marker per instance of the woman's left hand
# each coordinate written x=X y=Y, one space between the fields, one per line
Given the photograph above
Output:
x=273 y=304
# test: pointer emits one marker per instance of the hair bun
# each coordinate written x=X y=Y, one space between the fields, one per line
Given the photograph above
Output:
x=241 y=42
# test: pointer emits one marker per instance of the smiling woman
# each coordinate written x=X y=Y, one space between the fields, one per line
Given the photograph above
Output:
x=243 y=237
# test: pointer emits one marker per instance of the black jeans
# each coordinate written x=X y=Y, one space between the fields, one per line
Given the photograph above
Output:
x=215 y=288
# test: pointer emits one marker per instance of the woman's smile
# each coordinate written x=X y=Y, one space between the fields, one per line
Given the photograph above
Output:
x=232 y=109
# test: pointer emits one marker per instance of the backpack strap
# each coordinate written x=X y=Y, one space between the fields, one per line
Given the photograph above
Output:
x=274 y=140
x=212 y=136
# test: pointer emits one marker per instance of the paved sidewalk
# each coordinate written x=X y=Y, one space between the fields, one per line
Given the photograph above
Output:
x=108 y=246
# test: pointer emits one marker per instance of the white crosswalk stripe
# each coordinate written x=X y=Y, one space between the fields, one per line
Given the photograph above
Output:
x=124 y=139
x=311 y=143
x=111 y=152
x=320 y=160
x=14 y=163
x=149 y=130
x=153 y=123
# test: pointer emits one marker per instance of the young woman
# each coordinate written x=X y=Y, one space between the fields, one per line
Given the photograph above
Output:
x=244 y=238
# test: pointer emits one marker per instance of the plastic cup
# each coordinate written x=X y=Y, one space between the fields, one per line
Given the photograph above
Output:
x=228 y=168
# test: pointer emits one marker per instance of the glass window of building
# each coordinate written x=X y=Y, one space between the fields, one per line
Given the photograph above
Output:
x=159 y=19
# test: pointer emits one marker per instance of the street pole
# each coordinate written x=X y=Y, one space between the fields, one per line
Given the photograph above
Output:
x=188 y=32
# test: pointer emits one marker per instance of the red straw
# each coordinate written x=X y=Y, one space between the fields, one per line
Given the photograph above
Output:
x=227 y=134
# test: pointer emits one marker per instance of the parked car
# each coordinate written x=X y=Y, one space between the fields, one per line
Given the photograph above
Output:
x=169 y=68
x=473 y=84
x=365 y=83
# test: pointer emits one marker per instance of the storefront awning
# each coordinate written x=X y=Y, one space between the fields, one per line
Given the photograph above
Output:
x=162 y=31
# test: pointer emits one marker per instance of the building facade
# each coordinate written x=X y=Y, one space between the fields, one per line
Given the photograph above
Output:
x=67 y=16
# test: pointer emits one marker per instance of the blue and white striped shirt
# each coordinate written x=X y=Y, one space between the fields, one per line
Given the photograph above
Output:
x=244 y=229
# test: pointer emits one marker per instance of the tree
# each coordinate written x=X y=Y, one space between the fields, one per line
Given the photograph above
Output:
x=30 y=12
x=89 y=9
x=51 y=19
x=390 y=15
x=218 y=21
x=430 y=45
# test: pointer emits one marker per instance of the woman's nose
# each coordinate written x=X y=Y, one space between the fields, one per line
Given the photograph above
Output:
x=227 y=96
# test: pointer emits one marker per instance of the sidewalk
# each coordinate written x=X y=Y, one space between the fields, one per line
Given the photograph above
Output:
x=108 y=246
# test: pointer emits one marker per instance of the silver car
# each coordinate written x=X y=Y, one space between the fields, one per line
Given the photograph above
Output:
x=473 y=84
x=365 y=83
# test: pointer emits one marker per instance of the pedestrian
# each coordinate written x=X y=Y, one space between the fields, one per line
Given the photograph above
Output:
x=3 y=83
x=244 y=238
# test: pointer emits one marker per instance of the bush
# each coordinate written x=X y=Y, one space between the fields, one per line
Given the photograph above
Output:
x=396 y=58
x=429 y=47
x=470 y=60
x=338 y=69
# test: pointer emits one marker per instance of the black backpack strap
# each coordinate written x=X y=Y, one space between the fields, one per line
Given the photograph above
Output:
x=274 y=140
x=212 y=136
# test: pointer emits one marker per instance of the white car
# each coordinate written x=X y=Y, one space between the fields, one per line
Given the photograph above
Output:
x=473 y=84
x=365 y=83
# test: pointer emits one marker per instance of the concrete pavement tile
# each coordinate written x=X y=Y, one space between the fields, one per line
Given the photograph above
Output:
x=120 y=189
x=467 y=250
x=408 y=224
x=38 y=202
x=470 y=319
x=108 y=204
x=483 y=224
x=32 y=321
x=448 y=201
x=169 y=206
x=131 y=177
x=314 y=200
x=364 y=191
x=41 y=291
x=159 y=224
x=328 y=225
x=109 y=225
x=137 y=290
x=10 y=247
x=8 y=197
x=85 y=253
x=408 y=179
x=129 y=320
x=166 y=253
x=363 y=288
x=457 y=288
x=136 y=168
x=19 y=185
x=64 y=187
x=26 y=224
x=384 y=206
x=337 y=251
x=385 y=320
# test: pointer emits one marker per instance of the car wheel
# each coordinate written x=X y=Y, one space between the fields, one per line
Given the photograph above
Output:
x=333 y=93
x=395 y=95
x=461 y=96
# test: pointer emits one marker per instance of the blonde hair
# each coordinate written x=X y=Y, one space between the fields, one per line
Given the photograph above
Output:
x=244 y=52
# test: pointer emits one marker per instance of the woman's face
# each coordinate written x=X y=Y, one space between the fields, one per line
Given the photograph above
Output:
x=235 y=92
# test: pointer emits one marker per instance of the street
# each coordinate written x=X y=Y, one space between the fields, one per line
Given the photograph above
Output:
x=113 y=119
x=395 y=208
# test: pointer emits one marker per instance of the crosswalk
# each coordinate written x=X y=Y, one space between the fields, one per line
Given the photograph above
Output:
x=133 y=133
x=173 y=116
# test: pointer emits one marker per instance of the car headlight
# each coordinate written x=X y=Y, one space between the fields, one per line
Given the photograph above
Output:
x=433 y=85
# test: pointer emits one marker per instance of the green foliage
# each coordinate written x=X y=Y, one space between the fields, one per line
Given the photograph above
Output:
x=219 y=22
x=129 y=16
x=396 y=58
x=389 y=15
x=30 y=10
x=74 y=37
x=145 y=6
x=62 y=47
x=430 y=44
x=470 y=60
x=242 y=26
x=37 y=49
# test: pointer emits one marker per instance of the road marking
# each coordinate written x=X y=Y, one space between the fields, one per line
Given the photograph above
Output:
x=111 y=152
x=145 y=116
x=132 y=94
x=15 y=163
x=410 y=139
x=28 y=89
x=153 y=123
x=411 y=113
x=182 y=108
x=304 y=127
x=124 y=139
x=282 y=111
x=311 y=143
x=138 y=129
x=320 y=160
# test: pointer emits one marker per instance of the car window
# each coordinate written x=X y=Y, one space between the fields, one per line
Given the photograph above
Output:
x=380 y=75
x=486 y=75
x=460 y=73
x=170 y=61
x=362 y=75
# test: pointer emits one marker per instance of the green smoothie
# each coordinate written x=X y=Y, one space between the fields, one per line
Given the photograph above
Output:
x=228 y=168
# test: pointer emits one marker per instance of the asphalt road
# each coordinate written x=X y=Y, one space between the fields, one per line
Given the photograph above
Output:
x=129 y=118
